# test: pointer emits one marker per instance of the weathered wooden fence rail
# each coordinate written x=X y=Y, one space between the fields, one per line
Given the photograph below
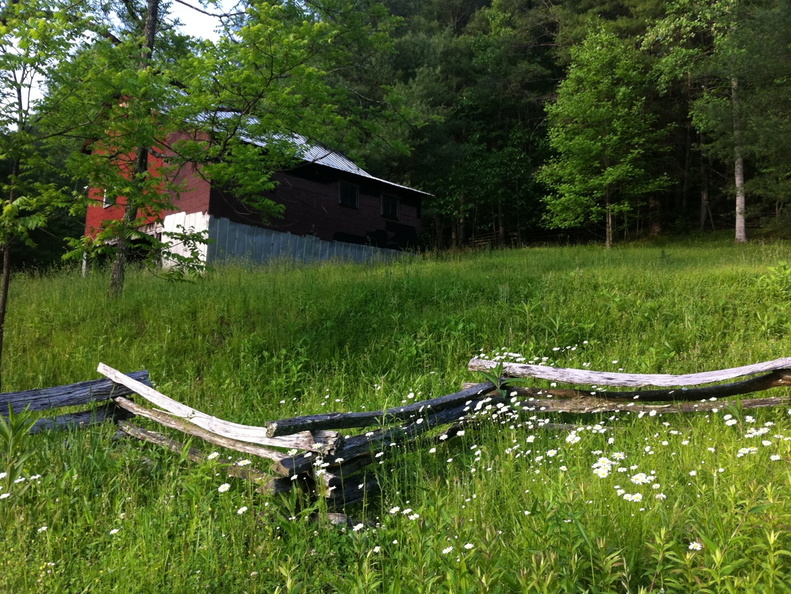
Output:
x=679 y=398
x=629 y=380
x=302 y=450
x=83 y=393
x=309 y=450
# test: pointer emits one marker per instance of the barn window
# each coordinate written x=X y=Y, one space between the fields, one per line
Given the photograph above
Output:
x=389 y=207
x=108 y=200
x=349 y=194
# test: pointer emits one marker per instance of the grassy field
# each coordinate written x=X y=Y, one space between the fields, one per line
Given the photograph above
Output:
x=625 y=503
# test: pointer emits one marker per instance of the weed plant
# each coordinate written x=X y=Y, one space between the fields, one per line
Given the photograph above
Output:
x=517 y=502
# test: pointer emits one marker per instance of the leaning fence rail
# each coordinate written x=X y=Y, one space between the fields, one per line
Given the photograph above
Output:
x=310 y=452
x=73 y=395
x=676 y=397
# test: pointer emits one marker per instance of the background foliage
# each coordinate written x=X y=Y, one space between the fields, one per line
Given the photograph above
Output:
x=451 y=97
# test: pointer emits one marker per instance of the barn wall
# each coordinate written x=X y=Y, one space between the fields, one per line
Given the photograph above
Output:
x=310 y=194
x=192 y=197
x=194 y=191
x=182 y=222
x=312 y=207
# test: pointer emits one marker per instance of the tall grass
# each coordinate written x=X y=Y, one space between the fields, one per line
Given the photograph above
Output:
x=512 y=505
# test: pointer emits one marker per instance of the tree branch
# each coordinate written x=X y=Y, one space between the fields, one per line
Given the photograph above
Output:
x=223 y=15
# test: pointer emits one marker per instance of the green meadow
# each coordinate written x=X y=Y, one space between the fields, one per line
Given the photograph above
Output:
x=621 y=503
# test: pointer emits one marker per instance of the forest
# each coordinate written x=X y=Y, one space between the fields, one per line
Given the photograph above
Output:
x=529 y=121
x=603 y=120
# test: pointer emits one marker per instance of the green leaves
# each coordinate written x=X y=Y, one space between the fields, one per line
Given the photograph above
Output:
x=29 y=45
x=603 y=134
x=15 y=448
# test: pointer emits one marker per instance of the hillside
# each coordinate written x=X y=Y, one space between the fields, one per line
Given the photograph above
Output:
x=509 y=506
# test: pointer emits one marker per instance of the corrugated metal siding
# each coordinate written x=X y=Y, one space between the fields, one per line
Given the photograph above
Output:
x=236 y=241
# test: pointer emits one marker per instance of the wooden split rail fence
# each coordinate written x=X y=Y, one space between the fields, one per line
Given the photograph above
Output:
x=309 y=451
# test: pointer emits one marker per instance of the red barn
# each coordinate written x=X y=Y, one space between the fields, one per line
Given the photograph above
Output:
x=333 y=209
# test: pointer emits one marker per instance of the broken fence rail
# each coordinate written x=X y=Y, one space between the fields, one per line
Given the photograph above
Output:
x=310 y=452
x=628 y=380
x=331 y=465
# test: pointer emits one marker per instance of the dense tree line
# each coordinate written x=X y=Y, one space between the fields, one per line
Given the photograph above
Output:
x=607 y=119
x=528 y=120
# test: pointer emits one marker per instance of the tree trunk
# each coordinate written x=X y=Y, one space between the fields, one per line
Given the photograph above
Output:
x=6 y=278
x=705 y=201
x=500 y=223
x=738 y=164
x=654 y=216
x=4 y=301
x=460 y=237
x=117 y=274
x=118 y=271
x=608 y=223
x=705 y=208
x=439 y=232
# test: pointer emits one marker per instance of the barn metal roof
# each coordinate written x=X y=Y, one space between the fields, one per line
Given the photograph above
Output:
x=313 y=152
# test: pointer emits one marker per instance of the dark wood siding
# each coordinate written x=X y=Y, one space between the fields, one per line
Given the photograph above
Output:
x=312 y=200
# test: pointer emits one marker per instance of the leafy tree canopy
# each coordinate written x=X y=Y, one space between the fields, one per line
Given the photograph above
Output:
x=603 y=136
